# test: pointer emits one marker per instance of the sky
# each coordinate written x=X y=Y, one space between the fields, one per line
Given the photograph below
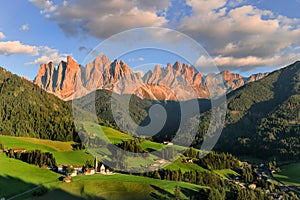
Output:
x=239 y=35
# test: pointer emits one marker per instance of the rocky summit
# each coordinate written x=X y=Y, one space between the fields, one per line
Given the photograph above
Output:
x=70 y=80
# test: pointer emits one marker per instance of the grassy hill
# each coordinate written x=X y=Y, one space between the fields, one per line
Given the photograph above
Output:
x=26 y=110
x=17 y=177
x=20 y=177
x=62 y=151
x=263 y=117
x=121 y=186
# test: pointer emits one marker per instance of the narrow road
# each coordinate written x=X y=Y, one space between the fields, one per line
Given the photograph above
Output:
x=23 y=193
x=28 y=191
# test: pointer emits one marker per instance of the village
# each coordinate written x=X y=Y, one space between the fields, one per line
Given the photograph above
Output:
x=71 y=171
x=262 y=172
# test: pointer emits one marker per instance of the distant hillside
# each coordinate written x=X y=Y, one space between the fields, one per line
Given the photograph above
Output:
x=27 y=110
x=139 y=109
x=263 y=117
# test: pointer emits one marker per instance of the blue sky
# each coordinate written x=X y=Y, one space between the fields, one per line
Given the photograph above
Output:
x=239 y=35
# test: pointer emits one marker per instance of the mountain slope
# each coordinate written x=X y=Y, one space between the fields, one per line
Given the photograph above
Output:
x=263 y=118
x=27 y=110
x=177 y=82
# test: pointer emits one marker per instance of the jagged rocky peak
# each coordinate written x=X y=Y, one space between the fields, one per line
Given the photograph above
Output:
x=117 y=76
x=169 y=67
x=255 y=77
x=177 y=67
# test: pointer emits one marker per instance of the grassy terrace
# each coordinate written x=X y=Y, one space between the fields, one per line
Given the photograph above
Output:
x=119 y=186
x=62 y=151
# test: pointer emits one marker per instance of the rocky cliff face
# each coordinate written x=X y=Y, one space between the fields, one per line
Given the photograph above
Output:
x=177 y=82
x=63 y=81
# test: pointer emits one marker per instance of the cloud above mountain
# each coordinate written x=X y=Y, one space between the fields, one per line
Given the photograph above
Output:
x=2 y=36
x=16 y=47
x=104 y=18
x=233 y=32
x=44 y=54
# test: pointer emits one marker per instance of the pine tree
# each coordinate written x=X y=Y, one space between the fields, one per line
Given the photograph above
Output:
x=177 y=193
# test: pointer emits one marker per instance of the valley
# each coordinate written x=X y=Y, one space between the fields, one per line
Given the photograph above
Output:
x=40 y=130
x=46 y=185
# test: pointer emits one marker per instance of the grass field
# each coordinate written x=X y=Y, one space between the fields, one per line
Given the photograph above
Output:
x=17 y=176
x=226 y=173
x=27 y=143
x=113 y=135
x=119 y=186
x=289 y=174
x=184 y=167
x=62 y=151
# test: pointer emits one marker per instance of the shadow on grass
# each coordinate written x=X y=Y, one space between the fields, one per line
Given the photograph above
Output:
x=11 y=187
x=14 y=188
x=194 y=195
x=161 y=193
x=59 y=194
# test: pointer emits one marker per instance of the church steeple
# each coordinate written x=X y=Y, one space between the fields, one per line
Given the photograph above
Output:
x=96 y=164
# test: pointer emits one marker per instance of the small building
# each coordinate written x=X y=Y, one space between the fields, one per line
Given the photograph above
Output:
x=60 y=169
x=19 y=150
x=191 y=160
x=78 y=168
x=67 y=180
x=102 y=169
x=168 y=143
x=89 y=172
x=252 y=186
x=73 y=173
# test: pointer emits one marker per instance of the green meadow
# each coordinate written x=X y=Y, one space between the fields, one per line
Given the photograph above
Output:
x=17 y=177
x=62 y=151
x=289 y=174
x=119 y=186
x=113 y=135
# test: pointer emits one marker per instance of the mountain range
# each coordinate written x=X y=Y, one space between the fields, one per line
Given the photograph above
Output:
x=263 y=117
x=173 y=82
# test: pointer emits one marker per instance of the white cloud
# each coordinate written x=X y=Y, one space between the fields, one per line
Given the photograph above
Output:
x=2 y=36
x=25 y=27
x=233 y=33
x=241 y=36
x=46 y=5
x=46 y=55
x=136 y=59
x=104 y=18
x=205 y=6
x=16 y=47
x=41 y=3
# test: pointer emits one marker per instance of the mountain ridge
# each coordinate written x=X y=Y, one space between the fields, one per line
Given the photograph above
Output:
x=177 y=82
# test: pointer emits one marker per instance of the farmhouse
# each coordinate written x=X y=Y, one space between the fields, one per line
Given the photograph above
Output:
x=67 y=180
x=252 y=186
x=73 y=173
x=89 y=172
x=168 y=143
x=19 y=150
x=191 y=160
